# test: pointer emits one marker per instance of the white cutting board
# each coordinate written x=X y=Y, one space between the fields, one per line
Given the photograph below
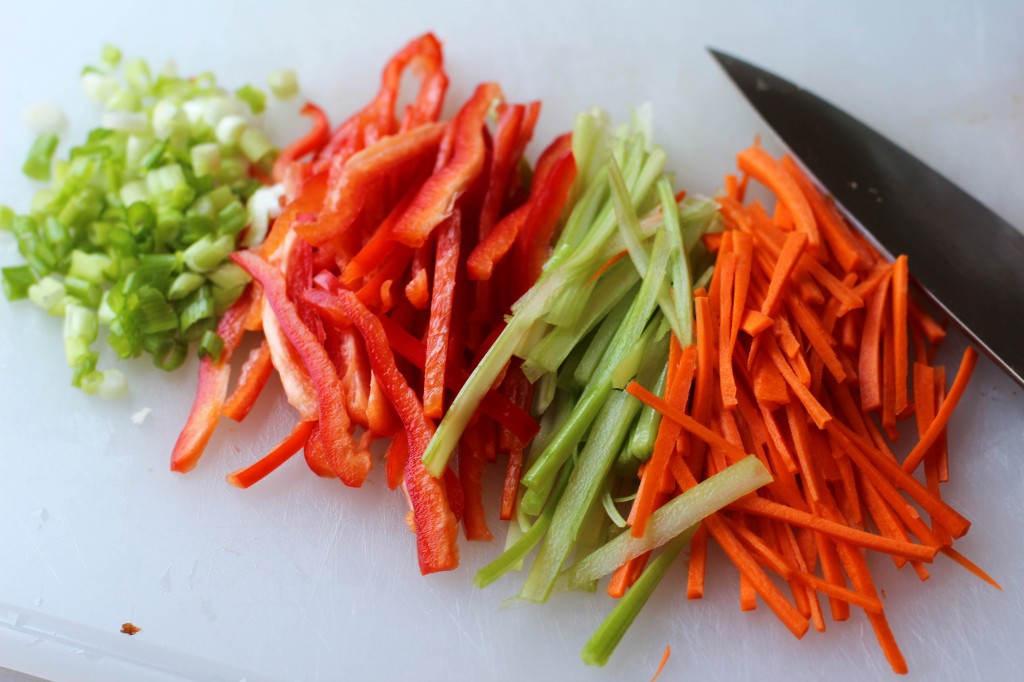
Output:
x=302 y=579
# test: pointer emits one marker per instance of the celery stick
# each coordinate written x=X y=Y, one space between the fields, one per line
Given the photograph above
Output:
x=515 y=554
x=600 y=341
x=532 y=500
x=675 y=516
x=641 y=442
x=602 y=643
x=630 y=364
x=679 y=266
x=585 y=481
x=599 y=387
x=593 y=533
x=618 y=282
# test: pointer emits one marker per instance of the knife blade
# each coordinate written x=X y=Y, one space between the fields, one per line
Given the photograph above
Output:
x=966 y=258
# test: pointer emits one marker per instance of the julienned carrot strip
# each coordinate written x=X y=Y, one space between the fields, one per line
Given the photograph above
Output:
x=725 y=272
x=868 y=368
x=743 y=245
x=282 y=452
x=932 y=330
x=661 y=666
x=753 y=322
x=888 y=412
x=942 y=415
x=698 y=564
x=833 y=229
x=510 y=488
x=748 y=596
x=818 y=413
x=607 y=264
x=758 y=164
x=940 y=397
x=685 y=421
x=704 y=385
x=900 y=283
x=439 y=328
x=970 y=566
x=792 y=248
x=818 y=336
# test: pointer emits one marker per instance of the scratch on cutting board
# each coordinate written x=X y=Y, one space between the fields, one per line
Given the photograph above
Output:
x=322 y=564
x=74 y=540
x=458 y=621
x=31 y=539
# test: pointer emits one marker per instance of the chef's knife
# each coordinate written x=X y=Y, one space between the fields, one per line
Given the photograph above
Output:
x=969 y=260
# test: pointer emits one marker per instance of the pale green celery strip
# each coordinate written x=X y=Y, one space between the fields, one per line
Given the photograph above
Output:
x=600 y=341
x=632 y=234
x=590 y=256
x=611 y=511
x=602 y=643
x=532 y=500
x=679 y=266
x=544 y=388
x=567 y=372
x=705 y=278
x=641 y=442
x=584 y=212
x=630 y=363
x=675 y=516
x=599 y=387
x=593 y=534
x=609 y=289
x=697 y=215
x=515 y=554
x=610 y=429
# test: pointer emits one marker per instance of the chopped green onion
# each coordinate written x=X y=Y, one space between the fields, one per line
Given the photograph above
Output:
x=283 y=84
x=211 y=345
x=206 y=158
x=233 y=218
x=255 y=145
x=49 y=294
x=40 y=157
x=208 y=252
x=198 y=306
x=16 y=281
x=229 y=130
x=254 y=97
x=228 y=275
x=110 y=56
x=81 y=327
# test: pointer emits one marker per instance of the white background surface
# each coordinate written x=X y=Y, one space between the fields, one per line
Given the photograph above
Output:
x=300 y=579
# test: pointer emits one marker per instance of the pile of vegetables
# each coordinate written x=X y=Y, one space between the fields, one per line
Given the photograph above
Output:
x=655 y=370
x=133 y=232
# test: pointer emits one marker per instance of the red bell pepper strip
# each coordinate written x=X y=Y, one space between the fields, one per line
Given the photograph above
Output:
x=350 y=464
x=436 y=198
x=496 y=245
x=297 y=385
x=313 y=451
x=547 y=199
x=345 y=349
x=377 y=119
x=212 y=389
x=510 y=489
x=503 y=160
x=439 y=327
x=378 y=248
x=436 y=526
x=394 y=461
x=391 y=269
x=282 y=452
x=253 y=377
x=472 y=459
x=306 y=204
x=380 y=416
x=362 y=175
x=311 y=143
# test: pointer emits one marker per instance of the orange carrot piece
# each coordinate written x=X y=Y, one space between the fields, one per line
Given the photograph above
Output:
x=834 y=231
x=900 y=284
x=698 y=564
x=940 y=397
x=762 y=167
x=769 y=386
x=510 y=489
x=868 y=369
x=818 y=413
x=818 y=336
x=970 y=566
x=889 y=382
x=748 y=597
x=743 y=247
x=625 y=575
x=282 y=452
x=942 y=415
x=704 y=386
x=725 y=271
x=753 y=322
x=661 y=666
x=792 y=249
x=932 y=330
x=607 y=265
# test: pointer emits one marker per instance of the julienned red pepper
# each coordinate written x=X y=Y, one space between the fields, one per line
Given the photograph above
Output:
x=446 y=268
x=378 y=118
x=494 y=405
x=436 y=198
x=362 y=174
x=472 y=459
x=311 y=143
x=350 y=464
x=436 y=526
x=546 y=206
x=251 y=379
x=552 y=180
x=503 y=159
x=282 y=452
x=214 y=376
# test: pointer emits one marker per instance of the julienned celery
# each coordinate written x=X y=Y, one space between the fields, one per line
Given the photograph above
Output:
x=142 y=215
x=675 y=516
x=588 y=475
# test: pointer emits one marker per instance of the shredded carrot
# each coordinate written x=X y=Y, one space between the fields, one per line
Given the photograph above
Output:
x=945 y=411
x=698 y=564
x=661 y=666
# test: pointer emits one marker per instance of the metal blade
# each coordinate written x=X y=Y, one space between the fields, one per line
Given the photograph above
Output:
x=968 y=259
